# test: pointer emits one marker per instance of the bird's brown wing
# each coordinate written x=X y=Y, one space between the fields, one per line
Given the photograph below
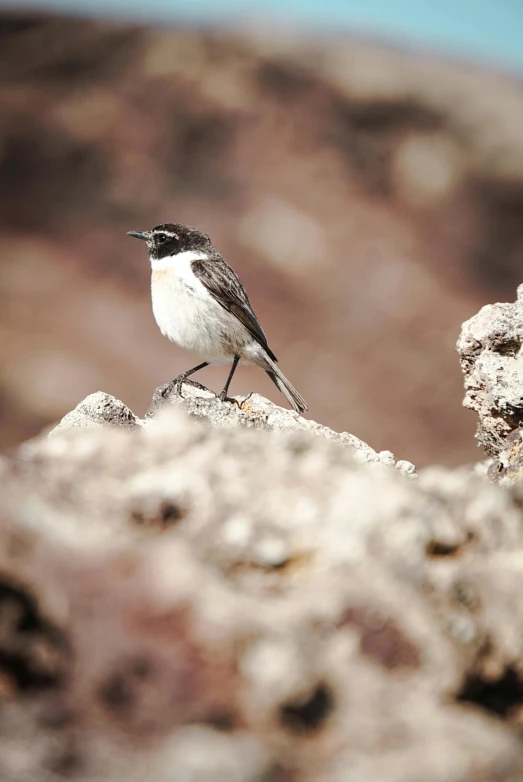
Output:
x=224 y=285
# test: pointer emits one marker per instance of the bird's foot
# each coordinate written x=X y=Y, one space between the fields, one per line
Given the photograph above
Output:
x=174 y=385
x=224 y=398
x=230 y=399
x=195 y=384
x=178 y=382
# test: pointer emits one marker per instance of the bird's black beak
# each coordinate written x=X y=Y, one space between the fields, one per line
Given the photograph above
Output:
x=144 y=235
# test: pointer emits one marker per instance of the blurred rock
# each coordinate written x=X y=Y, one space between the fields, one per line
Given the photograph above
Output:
x=272 y=229
x=228 y=590
x=426 y=170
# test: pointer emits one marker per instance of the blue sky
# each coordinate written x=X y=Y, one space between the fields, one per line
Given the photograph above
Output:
x=481 y=30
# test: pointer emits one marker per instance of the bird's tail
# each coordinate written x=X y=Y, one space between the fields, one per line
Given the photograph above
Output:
x=295 y=399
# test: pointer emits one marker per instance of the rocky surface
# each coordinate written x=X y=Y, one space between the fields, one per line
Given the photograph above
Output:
x=253 y=410
x=507 y=468
x=492 y=361
x=98 y=409
x=227 y=591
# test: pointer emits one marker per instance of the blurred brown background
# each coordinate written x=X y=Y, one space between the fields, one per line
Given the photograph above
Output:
x=370 y=199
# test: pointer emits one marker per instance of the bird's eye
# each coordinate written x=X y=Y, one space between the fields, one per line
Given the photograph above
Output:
x=161 y=238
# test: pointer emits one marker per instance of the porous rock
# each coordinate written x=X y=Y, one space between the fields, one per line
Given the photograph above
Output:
x=231 y=594
x=492 y=362
x=98 y=409
x=507 y=468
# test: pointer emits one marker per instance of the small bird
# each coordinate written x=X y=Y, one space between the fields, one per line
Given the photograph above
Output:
x=200 y=304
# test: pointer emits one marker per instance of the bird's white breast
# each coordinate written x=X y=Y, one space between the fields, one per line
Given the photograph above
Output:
x=188 y=314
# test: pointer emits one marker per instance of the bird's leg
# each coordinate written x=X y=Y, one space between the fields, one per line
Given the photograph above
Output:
x=185 y=375
x=177 y=382
x=223 y=394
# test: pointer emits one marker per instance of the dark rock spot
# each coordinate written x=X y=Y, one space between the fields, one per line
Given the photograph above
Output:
x=284 y=80
x=117 y=692
x=123 y=687
x=437 y=548
x=278 y=773
x=55 y=715
x=221 y=720
x=170 y=513
x=500 y=697
x=166 y=515
x=382 y=116
x=507 y=347
x=467 y=595
x=33 y=652
x=141 y=668
x=300 y=448
x=302 y=716
x=65 y=763
x=383 y=641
